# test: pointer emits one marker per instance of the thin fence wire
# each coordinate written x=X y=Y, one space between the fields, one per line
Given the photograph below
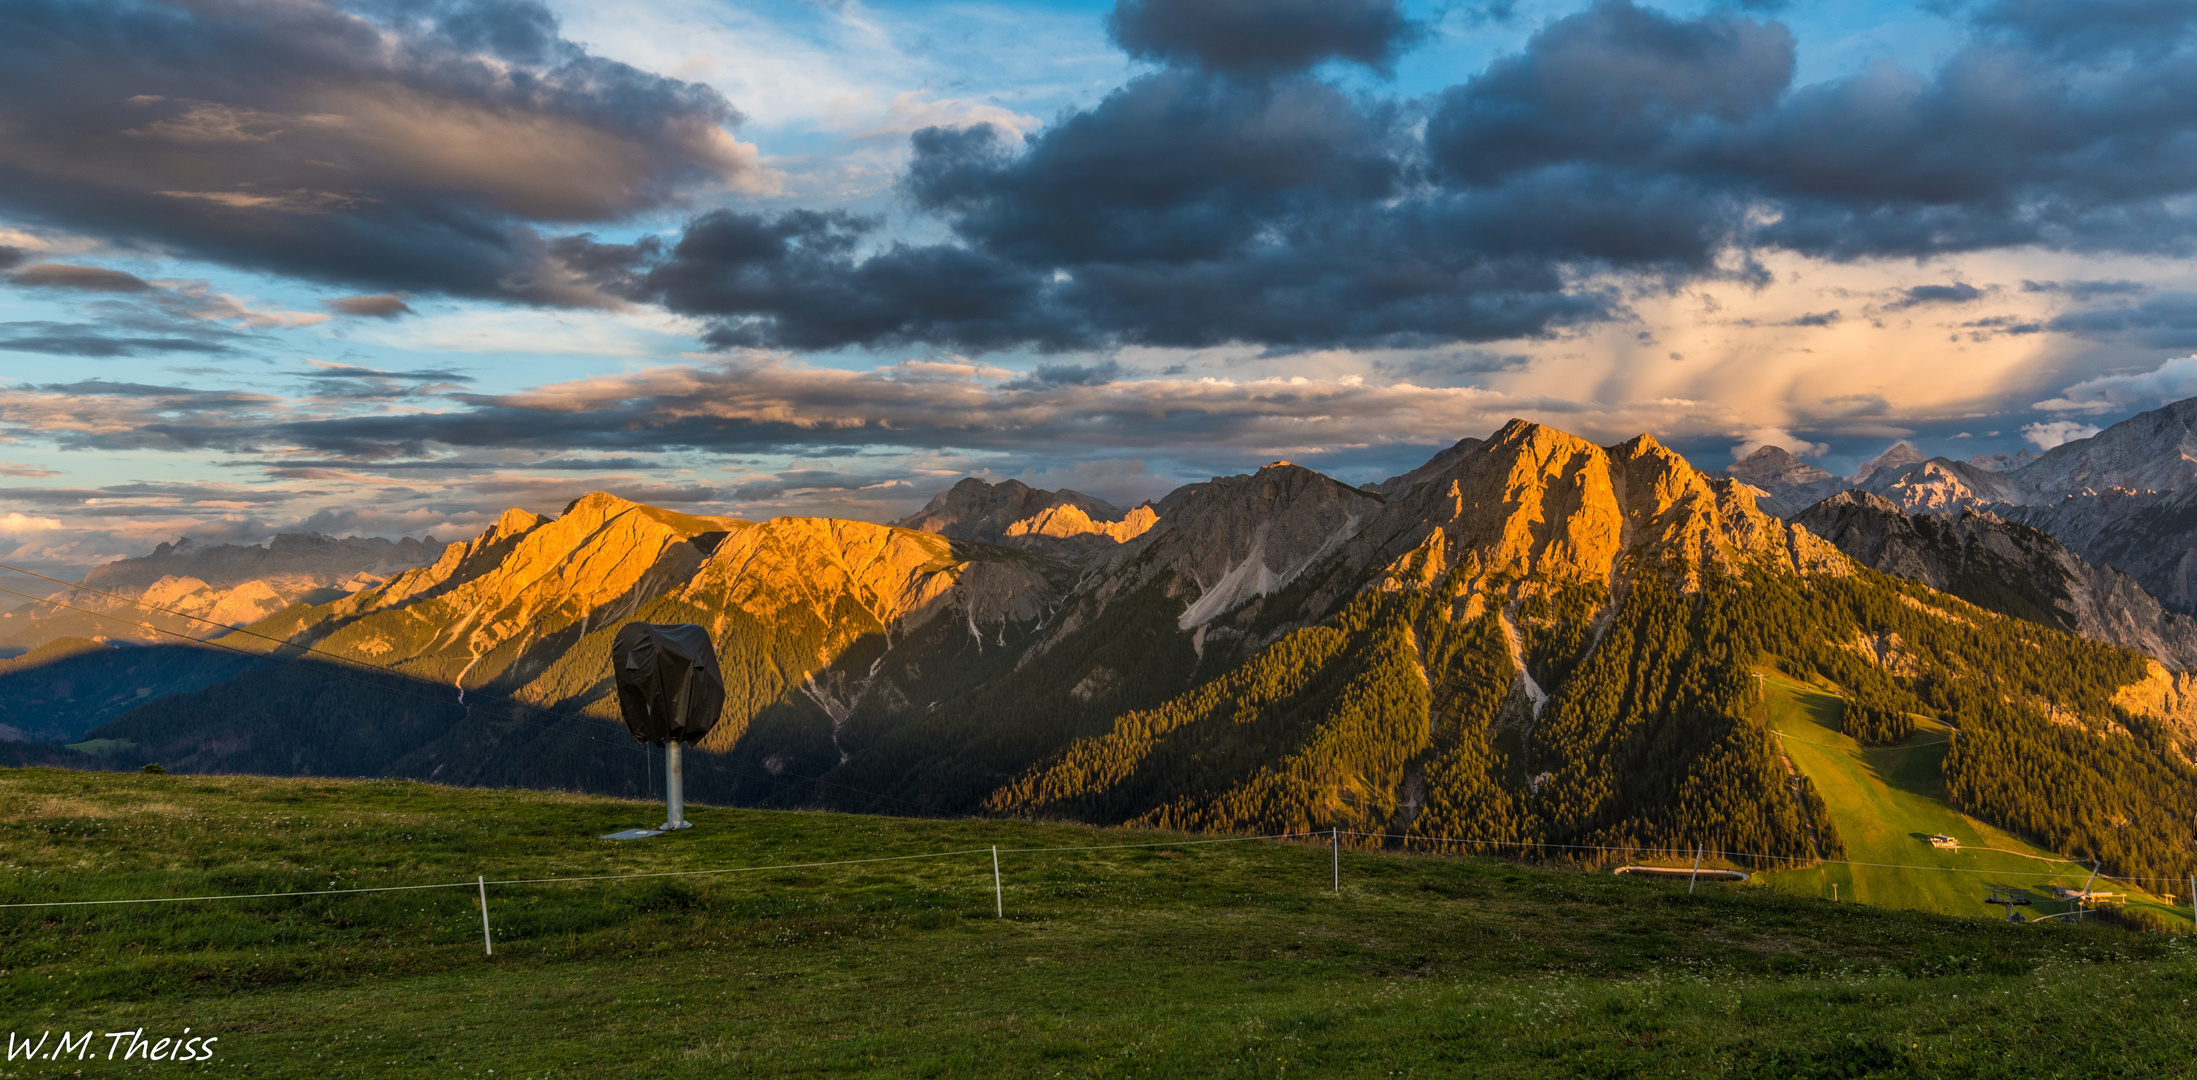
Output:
x=1672 y=853
x=1063 y=849
x=655 y=874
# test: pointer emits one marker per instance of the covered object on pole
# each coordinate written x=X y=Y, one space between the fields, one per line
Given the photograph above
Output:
x=669 y=689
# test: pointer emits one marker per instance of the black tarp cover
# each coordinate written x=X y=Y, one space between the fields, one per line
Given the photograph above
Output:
x=668 y=684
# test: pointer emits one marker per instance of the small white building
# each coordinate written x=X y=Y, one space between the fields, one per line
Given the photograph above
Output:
x=2086 y=896
x=1943 y=841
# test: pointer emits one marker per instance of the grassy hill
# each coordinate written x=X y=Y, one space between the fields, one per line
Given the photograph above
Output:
x=1886 y=801
x=1180 y=959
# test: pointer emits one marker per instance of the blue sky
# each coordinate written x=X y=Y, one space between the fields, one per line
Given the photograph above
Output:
x=393 y=267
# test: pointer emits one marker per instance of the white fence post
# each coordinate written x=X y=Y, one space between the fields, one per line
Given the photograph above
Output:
x=1335 y=856
x=999 y=894
x=486 y=941
x=1697 y=871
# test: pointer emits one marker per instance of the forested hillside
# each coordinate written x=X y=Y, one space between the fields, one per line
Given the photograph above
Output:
x=1531 y=641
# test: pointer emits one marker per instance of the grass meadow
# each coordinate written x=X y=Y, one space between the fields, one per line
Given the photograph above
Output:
x=1888 y=800
x=1180 y=959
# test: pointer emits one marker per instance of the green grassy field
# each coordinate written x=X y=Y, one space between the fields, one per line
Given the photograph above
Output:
x=1887 y=801
x=1175 y=960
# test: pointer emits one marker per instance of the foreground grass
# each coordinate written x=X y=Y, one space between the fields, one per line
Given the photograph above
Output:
x=1189 y=960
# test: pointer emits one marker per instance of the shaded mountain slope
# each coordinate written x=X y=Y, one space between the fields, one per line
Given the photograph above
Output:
x=2005 y=567
x=1557 y=648
x=1541 y=641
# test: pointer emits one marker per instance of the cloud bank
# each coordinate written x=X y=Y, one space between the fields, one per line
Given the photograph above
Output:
x=404 y=145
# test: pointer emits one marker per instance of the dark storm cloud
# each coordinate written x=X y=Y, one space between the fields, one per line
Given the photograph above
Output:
x=406 y=145
x=380 y=306
x=1185 y=209
x=453 y=465
x=86 y=278
x=99 y=340
x=2141 y=27
x=2086 y=290
x=1614 y=87
x=1262 y=37
x=1959 y=292
x=2168 y=320
x=1047 y=375
x=1195 y=206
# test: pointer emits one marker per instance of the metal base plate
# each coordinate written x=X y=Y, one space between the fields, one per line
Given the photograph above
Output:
x=643 y=834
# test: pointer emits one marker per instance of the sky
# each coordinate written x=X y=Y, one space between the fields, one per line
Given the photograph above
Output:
x=391 y=267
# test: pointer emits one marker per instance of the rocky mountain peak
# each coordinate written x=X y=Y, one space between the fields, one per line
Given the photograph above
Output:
x=1535 y=502
x=2152 y=451
x=2005 y=567
x=1899 y=455
x=527 y=576
x=1235 y=538
x=991 y=513
x=1772 y=467
x=1941 y=484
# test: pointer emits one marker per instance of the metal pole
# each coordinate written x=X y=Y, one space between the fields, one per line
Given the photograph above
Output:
x=2193 y=898
x=675 y=788
x=2083 y=902
x=1335 y=856
x=1697 y=871
x=999 y=893
x=486 y=942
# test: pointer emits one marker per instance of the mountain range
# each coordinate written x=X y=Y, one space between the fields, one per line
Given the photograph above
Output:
x=2125 y=497
x=1531 y=639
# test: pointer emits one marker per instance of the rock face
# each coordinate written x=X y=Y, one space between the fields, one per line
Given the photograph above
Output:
x=1533 y=501
x=1235 y=539
x=2125 y=497
x=1014 y=514
x=528 y=607
x=1894 y=459
x=1784 y=483
x=2153 y=451
x=482 y=607
x=2005 y=567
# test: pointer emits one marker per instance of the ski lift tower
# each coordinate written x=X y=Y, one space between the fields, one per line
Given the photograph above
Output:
x=669 y=693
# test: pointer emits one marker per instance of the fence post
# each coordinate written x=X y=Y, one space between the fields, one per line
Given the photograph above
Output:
x=1697 y=871
x=487 y=942
x=999 y=894
x=2193 y=899
x=1335 y=856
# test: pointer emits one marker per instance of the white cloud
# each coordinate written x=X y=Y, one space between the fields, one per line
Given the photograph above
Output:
x=2051 y=433
x=15 y=523
x=1758 y=438
x=910 y=111
x=2171 y=381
